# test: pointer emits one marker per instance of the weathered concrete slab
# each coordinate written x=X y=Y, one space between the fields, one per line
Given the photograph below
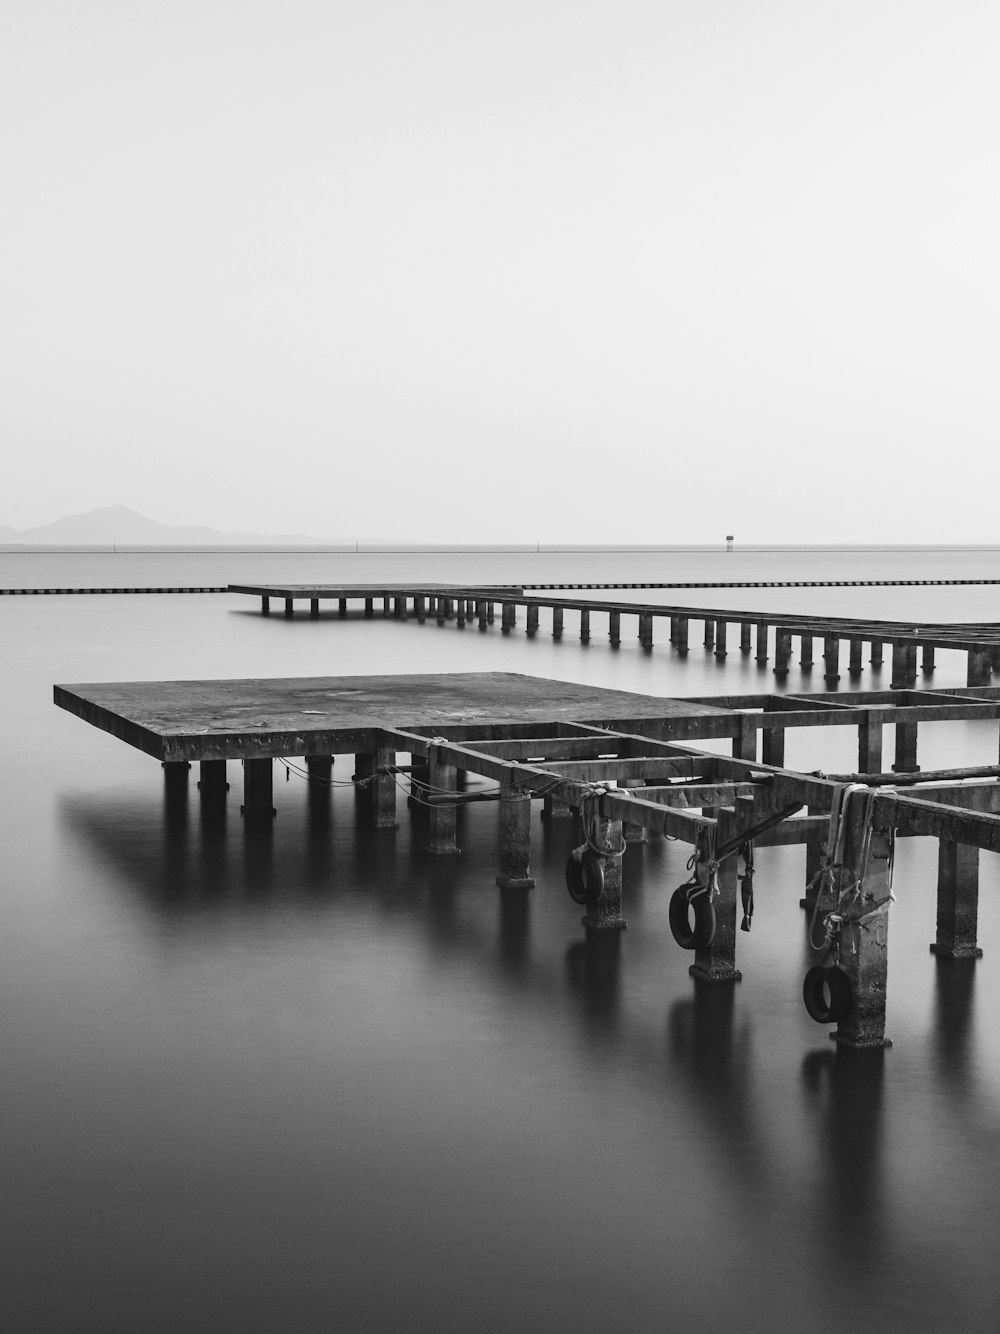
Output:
x=204 y=720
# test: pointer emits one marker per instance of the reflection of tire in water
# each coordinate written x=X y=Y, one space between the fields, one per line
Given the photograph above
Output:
x=827 y=994
x=692 y=922
x=584 y=875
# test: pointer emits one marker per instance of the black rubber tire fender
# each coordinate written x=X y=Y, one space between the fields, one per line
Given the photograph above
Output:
x=827 y=994
x=699 y=934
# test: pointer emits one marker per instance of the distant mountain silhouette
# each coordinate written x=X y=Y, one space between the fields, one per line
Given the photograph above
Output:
x=118 y=523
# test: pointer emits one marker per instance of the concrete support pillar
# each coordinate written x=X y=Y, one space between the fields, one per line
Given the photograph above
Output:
x=289 y=608
x=342 y=607
x=854 y=659
x=515 y=836
x=673 y=629
x=806 y=652
x=399 y=608
x=762 y=628
x=831 y=659
x=745 y=741
x=482 y=613
x=506 y=617
x=681 y=636
x=585 y=626
x=369 y=607
x=957 y=901
x=979 y=667
x=373 y=770
x=606 y=913
x=314 y=609
x=746 y=631
x=615 y=628
x=721 y=627
x=440 y=610
x=863 y=944
x=709 y=633
x=175 y=776
x=555 y=809
x=782 y=650
x=320 y=769
x=558 y=613
x=906 y=749
x=869 y=748
x=815 y=851
x=773 y=747
x=877 y=651
x=491 y=611
x=449 y=608
x=265 y=605
x=258 y=788
x=716 y=962
x=646 y=629
x=633 y=832
x=441 y=824
x=927 y=659
x=212 y=780
x=420 y=777
x=386 y=606
x=460 y=607
x=531 y=626
x=904 y=666
x=420 y=607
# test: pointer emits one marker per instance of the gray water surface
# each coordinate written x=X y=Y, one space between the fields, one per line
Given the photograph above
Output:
x=313 y=1078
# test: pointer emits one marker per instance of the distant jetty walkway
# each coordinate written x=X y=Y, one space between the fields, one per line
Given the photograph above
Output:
x=763 y=633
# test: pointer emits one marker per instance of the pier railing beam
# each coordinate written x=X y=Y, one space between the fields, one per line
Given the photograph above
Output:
x=515 y=836
x=605 y=913
x=957 y=901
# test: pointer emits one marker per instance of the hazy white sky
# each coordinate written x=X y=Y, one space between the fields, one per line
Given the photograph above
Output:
x=504 y=271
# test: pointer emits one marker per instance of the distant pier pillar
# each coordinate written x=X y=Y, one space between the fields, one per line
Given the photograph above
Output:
x=506 y=616
x=772 y=750
x=615 y=628
x=289 y=607
x=906 y=748
x=904 y=666
x=721 y=627
x=342 y=607
x=531 y=620
x=746 y=634
x=709 y=632
x=681 y=636
x=558 y=614
x=585 y=626
x=877 y=652
x=927 y=659
x=265 y=605
x=258 y=788
x=482 y=611
x=831 y=658
x=806 y=652
x=646 y=629
x=314 y=608
x=957 y=901
x=605 y=912
x=420 y=607
x=442 y=822
x=762 y=629
x=782 y=650
x=854 y=657
x=369 y=607
x=515 y=835
x=745 y=740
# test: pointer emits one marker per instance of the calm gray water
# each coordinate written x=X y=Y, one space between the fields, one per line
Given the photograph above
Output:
x=313 y=1078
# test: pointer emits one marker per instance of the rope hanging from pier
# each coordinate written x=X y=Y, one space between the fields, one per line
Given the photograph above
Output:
x=848 y=881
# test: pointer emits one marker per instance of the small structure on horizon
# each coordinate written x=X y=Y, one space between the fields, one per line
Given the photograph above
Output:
x=729 y=541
